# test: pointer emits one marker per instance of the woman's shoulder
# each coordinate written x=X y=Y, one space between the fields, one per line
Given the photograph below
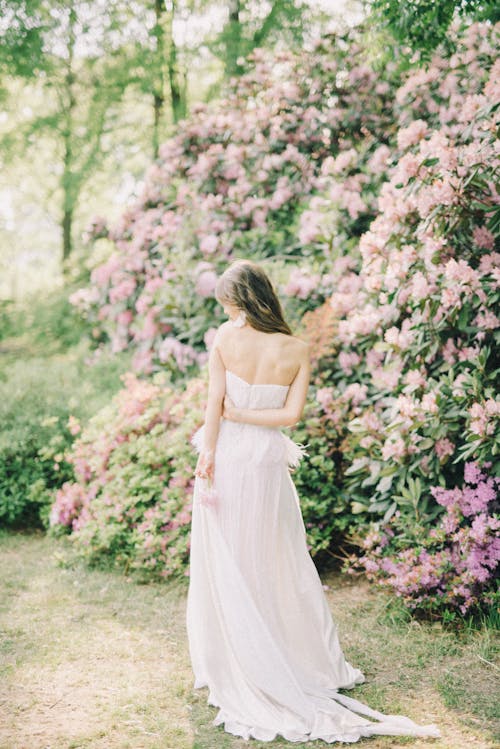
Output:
x=292 y=350
x=223 y=331
x=297 y=344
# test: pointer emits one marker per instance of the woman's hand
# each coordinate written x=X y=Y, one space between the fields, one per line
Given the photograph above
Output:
x=206 y=465
x=228 y=409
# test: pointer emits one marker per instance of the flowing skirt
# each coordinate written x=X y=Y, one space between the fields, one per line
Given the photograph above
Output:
x=261 y=635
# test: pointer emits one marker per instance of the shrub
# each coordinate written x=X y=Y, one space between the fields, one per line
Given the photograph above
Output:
x=130 y=505
x=406 y=384
x=450 y=569
x=38 y=397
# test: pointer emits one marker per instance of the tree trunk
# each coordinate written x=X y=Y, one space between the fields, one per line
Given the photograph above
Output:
x=67 y=224
x=177 y=89
x=67 y=175
x=233 y=39
x=158 y=95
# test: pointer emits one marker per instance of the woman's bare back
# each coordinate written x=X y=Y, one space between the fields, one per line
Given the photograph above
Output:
x=258 y=357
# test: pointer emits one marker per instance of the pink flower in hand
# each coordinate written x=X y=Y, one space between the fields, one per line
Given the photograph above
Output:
x=208 y=495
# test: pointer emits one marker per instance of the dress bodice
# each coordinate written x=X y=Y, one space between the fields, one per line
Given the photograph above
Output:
x=243 y=442
x=247 y=395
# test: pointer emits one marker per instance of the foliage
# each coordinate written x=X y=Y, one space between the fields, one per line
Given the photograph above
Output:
x=398 y=237
x=424 y=24
x=85 y=59
x=44 y=324
x=448 y=569
x=323 y=502
x=21 y=40
x=130 y=502
x=38 y=396
x=245 y=30
x=7 y=328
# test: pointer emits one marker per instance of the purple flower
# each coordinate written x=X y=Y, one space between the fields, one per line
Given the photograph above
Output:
x=472 y=473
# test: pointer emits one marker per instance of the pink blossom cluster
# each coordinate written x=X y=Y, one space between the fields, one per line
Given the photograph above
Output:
x=455 y=564
x=134 y=477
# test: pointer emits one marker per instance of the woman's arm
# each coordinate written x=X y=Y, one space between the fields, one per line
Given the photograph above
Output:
x=275 y=417
x=216 y=392
x=205 y=465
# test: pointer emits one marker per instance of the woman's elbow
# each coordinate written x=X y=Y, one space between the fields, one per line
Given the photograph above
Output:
x=292 y=418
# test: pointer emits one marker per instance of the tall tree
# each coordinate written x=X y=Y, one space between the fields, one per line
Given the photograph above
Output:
x=167 y=67
x=85 y=55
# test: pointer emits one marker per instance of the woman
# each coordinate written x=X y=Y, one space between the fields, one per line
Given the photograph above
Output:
x=261 y=635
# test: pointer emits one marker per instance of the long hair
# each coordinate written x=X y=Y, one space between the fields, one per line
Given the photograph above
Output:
x=248 y=287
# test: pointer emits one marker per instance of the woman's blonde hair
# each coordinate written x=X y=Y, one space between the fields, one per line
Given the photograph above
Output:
x=245 y=285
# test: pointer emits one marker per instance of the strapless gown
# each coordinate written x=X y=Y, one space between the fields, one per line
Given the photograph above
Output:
x=260 y=632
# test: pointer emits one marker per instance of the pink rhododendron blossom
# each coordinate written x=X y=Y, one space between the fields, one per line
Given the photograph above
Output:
x=324 y=396
x=393 y=449
x=413 y=134
x=429 y=404
x=74 y=426
x=183 y=354
x=102 y=274
x=486 y=320
x=84 y=298
x=209 y=244
x=355 y=393
x=348 y=360
x=415 y=378
x=483 y=238
x=344 y=161
x=310 y=226
x=458 y=390
x=459 y=558
x=379 y=160
x=205 y=283
x=301 y=283
x=444 y=447
x=143 y=361
x=125 y=318
x=122 y=291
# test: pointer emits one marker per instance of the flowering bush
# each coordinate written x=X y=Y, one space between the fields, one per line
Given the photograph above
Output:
x=230 y=183
x=406 y=384
x=448 y=569
x=130 y=503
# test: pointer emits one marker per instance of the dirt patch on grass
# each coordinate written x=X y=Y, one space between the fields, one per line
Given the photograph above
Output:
x=89 y=659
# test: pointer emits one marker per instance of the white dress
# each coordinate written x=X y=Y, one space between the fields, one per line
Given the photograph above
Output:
x=261 y=635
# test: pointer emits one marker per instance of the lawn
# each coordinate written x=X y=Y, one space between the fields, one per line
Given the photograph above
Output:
x=92 y=658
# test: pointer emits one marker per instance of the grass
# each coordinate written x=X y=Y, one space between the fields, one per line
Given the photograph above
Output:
x=92 y=659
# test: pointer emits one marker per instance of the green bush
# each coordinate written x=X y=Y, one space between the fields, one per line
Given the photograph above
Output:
x=37 y=397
